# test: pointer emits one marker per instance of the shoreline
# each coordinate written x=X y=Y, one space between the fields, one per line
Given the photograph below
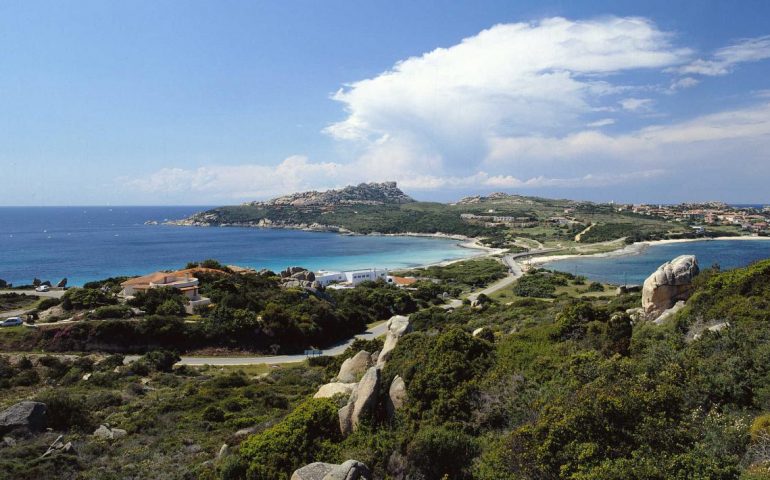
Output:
x=473 y=243
x=638 y=248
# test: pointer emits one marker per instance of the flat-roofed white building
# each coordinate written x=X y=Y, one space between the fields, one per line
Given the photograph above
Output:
x=351 y=278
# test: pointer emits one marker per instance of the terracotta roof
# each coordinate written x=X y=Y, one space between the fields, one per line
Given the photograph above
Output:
x=145 y=279
x=403 y=280
x=158 y=276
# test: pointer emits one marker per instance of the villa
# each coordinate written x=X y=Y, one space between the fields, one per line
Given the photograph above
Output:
x=181 y=280
x=350 y=278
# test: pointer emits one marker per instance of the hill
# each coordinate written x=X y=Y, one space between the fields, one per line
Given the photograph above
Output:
x=501 y=219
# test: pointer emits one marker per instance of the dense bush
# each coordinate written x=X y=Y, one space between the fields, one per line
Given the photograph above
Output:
x=111 y=311
x=161 y=301
x=86 y=298
x=308 y=434
x=66 y=412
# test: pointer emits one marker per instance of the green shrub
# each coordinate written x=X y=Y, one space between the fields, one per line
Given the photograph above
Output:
x=595 y=287
x=47 y=303
x=213 y=414
x=66 y=412
x=308 y=434
x=439 y=452
x=111 y=311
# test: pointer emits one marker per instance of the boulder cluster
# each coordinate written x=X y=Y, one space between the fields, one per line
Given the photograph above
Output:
x=299 y=277
x=359 y=381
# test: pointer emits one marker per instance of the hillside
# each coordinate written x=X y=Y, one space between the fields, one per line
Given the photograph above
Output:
x=499 y=217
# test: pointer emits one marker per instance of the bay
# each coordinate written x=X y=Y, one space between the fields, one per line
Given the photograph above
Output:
x=635 y=268
x=91 y=243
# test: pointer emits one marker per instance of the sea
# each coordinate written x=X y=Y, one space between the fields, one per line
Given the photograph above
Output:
x=633 y=269
x=92 y=243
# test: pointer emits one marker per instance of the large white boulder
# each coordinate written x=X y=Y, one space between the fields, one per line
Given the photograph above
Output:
x=396 y=396
x=331 y=389
x=362 y=401
x=671 y=283
x=349 y=470
x=355 y=367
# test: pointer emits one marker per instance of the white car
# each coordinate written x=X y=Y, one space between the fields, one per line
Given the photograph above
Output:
x=43 y=288
x=11 y=322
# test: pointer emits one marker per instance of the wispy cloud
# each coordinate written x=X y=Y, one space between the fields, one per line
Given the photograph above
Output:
x=725 y=59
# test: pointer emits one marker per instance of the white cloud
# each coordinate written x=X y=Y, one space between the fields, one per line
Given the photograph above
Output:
x=601 y=123
x=682 y=83
x=511 y=79
x=636 y=104
x=696 y=139
x=238 y=181
x=514 y=106
x=724 y=60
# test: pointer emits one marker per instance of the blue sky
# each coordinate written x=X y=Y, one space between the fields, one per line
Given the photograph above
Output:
x=216 y=102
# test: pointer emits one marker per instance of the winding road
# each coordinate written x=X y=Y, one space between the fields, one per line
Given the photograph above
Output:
x=374 y=332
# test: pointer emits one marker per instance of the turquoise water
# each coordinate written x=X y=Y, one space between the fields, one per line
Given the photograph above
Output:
x=634 y=269
x=91 y=243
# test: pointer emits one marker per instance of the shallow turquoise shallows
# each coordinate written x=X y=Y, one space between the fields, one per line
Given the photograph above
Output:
x=91 y=243
x=634 y=269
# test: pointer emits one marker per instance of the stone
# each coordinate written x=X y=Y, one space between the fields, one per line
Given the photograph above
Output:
x=396 y=396
x=349 y=470
x=670 y=283
x=26 y=416
x=305 y=275
x=669 y=313
x=313 y=471
x=103 y=432
x=106 y=433
x=245 y=432
x=398 y=326
x=224 y=451
x=362 y=401
x=355 y=367
x=336 y=388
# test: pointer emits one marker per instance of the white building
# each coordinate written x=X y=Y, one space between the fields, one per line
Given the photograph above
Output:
x=351 y=278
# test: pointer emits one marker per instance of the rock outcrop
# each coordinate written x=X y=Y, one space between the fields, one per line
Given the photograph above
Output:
x=362 y=401
x=670 y=283
x=355 y=367
x=396 y=396
x=362 y=194
x=350 y=470
x=398 y=326
x=24 y=417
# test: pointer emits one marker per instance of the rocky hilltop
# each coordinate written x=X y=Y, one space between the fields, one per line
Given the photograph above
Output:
x=361 y=194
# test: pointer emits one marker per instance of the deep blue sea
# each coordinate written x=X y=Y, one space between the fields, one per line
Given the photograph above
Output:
x=91 y=243
x=634 y=269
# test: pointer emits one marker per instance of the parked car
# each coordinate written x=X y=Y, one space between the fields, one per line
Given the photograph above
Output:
x=12 y=322
x=43 y=288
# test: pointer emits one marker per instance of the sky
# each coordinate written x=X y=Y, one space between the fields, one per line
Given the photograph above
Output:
x=220 y=102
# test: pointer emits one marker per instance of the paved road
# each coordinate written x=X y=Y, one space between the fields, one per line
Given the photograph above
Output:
x=374 y=332
x=514 y=273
